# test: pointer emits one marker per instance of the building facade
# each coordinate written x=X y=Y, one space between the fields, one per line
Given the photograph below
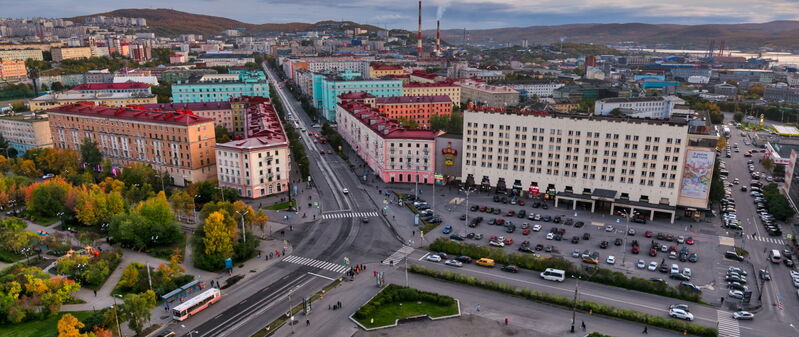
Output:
x=394 y=154
x=220 y=112
x=67 y=53
x=490 y=95
x=646 y=107
x=218 y=87
x=379 y=70
x=415 y=108
x=21 y=54
x=602 y=163
x=448 y=88
x=786 y=95
x=110 y=88
x=224 y=59
x=326 y=65
x=257 y=165
x=327 y=89
x=180 y=144
x=121 y=99
x=538 y=88
x=12 y=70
x=25 y=132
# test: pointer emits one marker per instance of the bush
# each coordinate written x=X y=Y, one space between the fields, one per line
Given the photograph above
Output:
x=583 y=305
x=537 y=263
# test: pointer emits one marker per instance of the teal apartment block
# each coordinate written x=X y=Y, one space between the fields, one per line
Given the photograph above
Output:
x=327 y=88
x=216 y=88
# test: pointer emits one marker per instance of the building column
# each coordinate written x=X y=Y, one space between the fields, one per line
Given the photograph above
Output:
x=556 y=201
x=593 y=205
x=651 y=215
x=574 y=205
x=672 y=216
x=612 y=206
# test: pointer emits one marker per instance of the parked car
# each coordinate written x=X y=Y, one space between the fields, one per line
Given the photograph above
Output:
x=434 y=258
x=510 y=268
x=681 y=314
x=454 y=263
x=447 y=229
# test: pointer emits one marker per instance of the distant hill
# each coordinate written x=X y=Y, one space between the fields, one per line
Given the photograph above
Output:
x=775 y=34
x=170 y=22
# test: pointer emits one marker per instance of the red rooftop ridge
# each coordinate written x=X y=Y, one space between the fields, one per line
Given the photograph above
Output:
x=110 y=86
x=447 y=83
x=413 y=99
x=139 y=115
x=387 y=128
x=356 y=95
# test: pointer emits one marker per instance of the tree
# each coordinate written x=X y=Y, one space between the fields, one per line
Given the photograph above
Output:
x=408 y=123
x=6 y=149
x=183 y=203
x=222 y=134
x=716 y=184
x=722 y=143
x=137 y=309
x=69 y=326
x=49 y=197
x=756 y=91
x=94 y=207
x=616 y=112
x=57 y=86
x=217 y=238
x=738 y=117
x=130 y=276
x=261 y=220
x=768 y=164
x=90 y=153
x=25 y=167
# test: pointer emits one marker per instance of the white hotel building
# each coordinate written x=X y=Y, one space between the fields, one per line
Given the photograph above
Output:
x=605 y=164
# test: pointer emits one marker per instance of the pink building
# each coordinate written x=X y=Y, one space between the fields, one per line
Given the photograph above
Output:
x=395 y=154
x=220 y=112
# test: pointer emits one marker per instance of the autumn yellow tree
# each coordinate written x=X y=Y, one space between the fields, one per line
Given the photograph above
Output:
x=25 y=167
x=261 y=220
x=217 y=238
x=69 y=326
x=94 y=207
x=130 y=276
x=183 y=203
x=110 y=184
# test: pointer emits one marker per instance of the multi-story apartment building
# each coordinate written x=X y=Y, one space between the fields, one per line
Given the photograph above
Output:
x=787 y=95
x=740 y=75
x=25 y=132
x=606 y=164
x=220 y=87
x=325 y=65
x=394 y=153
x=119 y=99
x=110 y=88
x=257 y=165
x=67 y=53
x=12 y=69
x=490 y=95
x=379 y=70
x=180 y=144
x=448 y=88
x=21 y=54
x=327 y=88
x=415 y=108
x=646 y=107
x=538 y=88
x=220 y=112
x=224 y=59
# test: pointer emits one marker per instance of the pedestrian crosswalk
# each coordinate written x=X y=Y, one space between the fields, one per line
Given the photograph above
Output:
x=769 y=240
x=334 y=267
x=728 y=326
x=340 y=215
x=398 y=255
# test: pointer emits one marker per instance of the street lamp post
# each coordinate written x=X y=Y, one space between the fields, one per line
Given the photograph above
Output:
x=467 y=191
x=194 y=207
x=243 y=231
x=290 y=314
x=574 y=303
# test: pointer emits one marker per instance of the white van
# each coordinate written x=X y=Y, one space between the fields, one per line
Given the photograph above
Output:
x=774 y=256
x=552 y=274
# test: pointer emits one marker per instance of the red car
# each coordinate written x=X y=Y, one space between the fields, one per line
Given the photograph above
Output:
x=492 y=238
x=526 y=231
x=653 y=252
x=508 y=241
x=636 y=250
x=689 y=240
x=520 y=202
x=648 y=234
x=511 y=213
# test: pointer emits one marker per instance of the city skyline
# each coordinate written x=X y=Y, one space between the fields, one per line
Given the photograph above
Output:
x=473 y=14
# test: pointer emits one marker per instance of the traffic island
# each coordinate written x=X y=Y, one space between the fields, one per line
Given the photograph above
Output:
x=395 y=304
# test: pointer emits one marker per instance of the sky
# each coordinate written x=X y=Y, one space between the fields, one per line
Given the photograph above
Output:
x=470 y=14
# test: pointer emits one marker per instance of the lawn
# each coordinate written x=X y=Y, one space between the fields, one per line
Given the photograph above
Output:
x=10 y=257
x=397 y=302
x=280 y=206
x=42 y=328
x=389 y=313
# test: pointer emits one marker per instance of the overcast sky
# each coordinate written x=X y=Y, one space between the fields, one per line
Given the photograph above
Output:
x=472 y=14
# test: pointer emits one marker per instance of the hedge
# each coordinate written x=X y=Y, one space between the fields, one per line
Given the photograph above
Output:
x=537 y=263
x=583 y=305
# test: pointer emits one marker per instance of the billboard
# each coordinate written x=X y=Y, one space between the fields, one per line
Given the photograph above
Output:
x=697 y=174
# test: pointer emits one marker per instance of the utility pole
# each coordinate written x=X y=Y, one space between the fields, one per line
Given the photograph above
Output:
x=116 y=317
x=406 y=272
x=574 y=305
x=243 y=230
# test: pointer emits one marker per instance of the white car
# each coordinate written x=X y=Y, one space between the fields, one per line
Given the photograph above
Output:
x=675 y=269
x=536 y=228
x=496 y=243
x=652 y=266
x=609 y=228
x=434 y=258
x=454 y=263
x=681 y=314
x=743 y=315
x=686 y=271
x=641 y=264
x=550 y=236
x=345 y=190
x=736 y=294
x=611 y=260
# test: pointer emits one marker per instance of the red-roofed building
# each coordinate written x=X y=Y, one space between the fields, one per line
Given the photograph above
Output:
x=257 y=163
x=180 y=144
x=423 y=77
x=393 y=152
x=415 y=108
x=103 y=88
x=379 y=70
x=449 y=88
x=362 y=96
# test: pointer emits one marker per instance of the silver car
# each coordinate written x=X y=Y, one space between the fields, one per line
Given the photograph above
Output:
x=454 y=263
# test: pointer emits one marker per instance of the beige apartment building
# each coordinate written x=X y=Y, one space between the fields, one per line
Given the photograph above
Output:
x=25 y=132
x=180 y=144
x=622 y=166
x=490 y=95
x=21 y=54
x=448 y=88
x=66 y=53
x=120 y=99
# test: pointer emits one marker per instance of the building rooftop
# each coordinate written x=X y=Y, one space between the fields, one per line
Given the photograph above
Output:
x=75 y=95
x=413 y=99
x=426 y=75
x=430 y=85
x=263 y=128
x=356 y=95
x=489 y=88
x=111 y=86
x=385 y=127
x=632 y=99
x=224 y=56
x=675 y=121
x=380 y=66
x=152 y=116
x=200 y=106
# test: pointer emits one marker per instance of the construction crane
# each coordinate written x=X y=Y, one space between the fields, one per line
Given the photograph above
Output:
x=710 y=47
x=722 y=44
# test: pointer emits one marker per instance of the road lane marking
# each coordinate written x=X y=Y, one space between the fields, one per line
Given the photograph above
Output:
x=322 y=276
x=423 y=256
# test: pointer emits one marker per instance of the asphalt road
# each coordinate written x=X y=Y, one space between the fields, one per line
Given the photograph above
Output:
x=261 y=298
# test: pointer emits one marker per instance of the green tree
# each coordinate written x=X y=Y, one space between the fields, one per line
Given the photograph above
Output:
x=738 y=117
x=222 y=134
x=408 y=123
x=49 y=197
x=90 y=153
x=183 y=203
x=137 y=309
x=6 y=149
x=57 y=86
x=163 y=92
x=768 y=164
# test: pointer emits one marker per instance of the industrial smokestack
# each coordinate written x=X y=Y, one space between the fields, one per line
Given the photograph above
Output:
x=419 y=35
x=438 y=37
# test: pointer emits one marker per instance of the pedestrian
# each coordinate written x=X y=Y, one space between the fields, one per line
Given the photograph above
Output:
x=95 y=293
x=583 y=325
x=338 y=303
x=270 y=254
x=329 y=307
x=506 y=321
x=307 y=322
x=284 y=251
x=722 y=301
x=477 y=308
x=259 y=253
x=413 y=233
x=646 y=330
x=291 y=228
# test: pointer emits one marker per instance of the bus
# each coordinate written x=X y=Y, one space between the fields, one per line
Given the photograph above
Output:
x=196 y=304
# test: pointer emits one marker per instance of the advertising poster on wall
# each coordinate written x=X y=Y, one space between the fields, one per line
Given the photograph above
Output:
x=697 y=174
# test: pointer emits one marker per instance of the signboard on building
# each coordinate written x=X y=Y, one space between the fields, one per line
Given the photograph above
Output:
x=697 y=174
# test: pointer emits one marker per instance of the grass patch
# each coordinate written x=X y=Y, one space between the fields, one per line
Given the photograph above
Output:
x=41 y=328
x=10 y=257
x=397 y=302
x=280 y=206
x=45 y=221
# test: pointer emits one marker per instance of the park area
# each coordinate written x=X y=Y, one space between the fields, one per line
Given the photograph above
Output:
x=396 y=303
